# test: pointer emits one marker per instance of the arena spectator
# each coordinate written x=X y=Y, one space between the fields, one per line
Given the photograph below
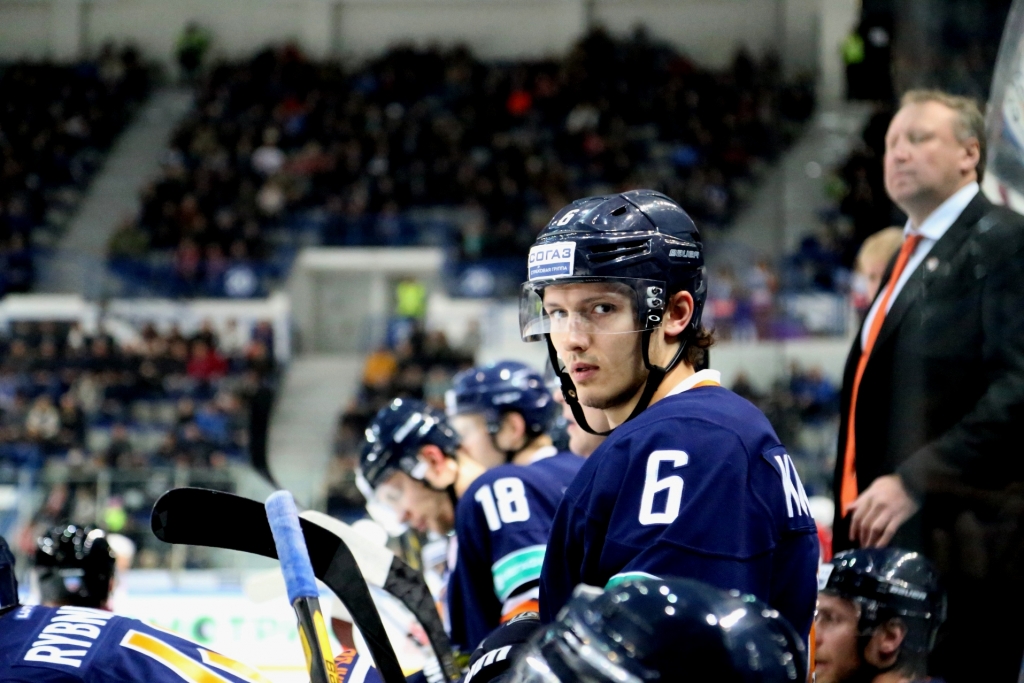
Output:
x=283 y=141
x=55 y=126
x=135 y=404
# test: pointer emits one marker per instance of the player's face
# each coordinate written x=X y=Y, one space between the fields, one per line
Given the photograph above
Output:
x=416 y=505
x=476 y=439
x=924 y=161
x=594 y=330
x=835 y=627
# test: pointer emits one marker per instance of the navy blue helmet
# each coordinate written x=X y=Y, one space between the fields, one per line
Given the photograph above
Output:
x=890 y=583
x=395 y=436
x=496 y=388
x=641 y=239
x=655 y=629
x=74 y=565
x=8 y=582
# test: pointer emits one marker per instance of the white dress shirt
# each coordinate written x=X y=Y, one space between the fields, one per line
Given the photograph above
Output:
x=931 y=231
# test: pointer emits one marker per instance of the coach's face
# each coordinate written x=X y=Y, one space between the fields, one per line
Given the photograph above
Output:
x=594 y=330
x=925 y=163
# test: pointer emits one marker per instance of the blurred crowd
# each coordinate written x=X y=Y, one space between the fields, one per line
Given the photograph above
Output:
x=56 y=122
x=104 y=419
x=502 y=144
x=420 y=365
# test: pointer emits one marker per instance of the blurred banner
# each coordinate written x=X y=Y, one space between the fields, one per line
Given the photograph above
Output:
x=1004 y=179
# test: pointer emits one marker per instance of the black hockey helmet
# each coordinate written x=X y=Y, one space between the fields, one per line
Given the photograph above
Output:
x=889 y=583
x=650 y=629
x=74 y=565
x=640 y=241
x=496 y=388
x=395 y=436
x=8 y=582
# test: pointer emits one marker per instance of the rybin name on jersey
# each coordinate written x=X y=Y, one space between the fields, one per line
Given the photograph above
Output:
x=697 y=486
x=63 y=644
x=502 y=524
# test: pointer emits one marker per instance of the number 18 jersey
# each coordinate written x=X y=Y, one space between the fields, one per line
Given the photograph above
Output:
x=502 y=524
x=697 y=486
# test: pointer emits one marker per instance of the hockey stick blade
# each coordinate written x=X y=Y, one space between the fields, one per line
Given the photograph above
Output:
x=384 y=569
x=193 y=516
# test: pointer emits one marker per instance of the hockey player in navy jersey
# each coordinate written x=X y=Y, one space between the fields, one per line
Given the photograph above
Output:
x=72 y=644
x=879 y=612
x=502 y=413
x=501 y=517
x=692 y=481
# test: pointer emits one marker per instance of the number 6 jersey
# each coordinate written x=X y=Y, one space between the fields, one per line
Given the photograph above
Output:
x=697 y=486
x=502 y=524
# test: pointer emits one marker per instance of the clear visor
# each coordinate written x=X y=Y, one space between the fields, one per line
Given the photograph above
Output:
x=381 y=505
x=589 y=306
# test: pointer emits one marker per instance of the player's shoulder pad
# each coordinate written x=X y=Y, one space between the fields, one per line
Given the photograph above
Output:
x=792 y=504
x=498 y=651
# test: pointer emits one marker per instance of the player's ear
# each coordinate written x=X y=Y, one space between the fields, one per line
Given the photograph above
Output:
x=514 y=424
x=678 y=312
x=886 y=642
x=439 y=466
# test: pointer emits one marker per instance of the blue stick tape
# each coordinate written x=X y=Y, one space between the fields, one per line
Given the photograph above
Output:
x=291 y=546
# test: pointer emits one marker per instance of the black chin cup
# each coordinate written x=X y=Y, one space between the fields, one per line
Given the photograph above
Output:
x=655 y=375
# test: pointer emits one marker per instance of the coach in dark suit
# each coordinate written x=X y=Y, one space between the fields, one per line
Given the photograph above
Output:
x=931 y=443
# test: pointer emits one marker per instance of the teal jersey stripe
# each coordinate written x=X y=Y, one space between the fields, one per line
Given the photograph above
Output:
x=517 y=568
x=626 y=576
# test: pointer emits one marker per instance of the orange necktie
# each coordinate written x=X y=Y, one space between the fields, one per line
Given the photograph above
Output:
x=849 y=491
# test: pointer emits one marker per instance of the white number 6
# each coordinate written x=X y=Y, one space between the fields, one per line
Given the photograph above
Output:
x=652 y=486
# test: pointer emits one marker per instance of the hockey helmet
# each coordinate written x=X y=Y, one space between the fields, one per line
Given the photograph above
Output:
x=497 y=388
x=395 y=436
x=889 y=583
x=649 y=629
x=8 y=582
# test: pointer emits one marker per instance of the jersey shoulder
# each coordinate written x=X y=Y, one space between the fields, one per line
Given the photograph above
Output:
x=701 y=415
x=96 y=646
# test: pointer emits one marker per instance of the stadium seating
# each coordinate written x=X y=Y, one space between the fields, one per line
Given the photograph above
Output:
x=438 y=147
x=107 y=421
x=56 y=123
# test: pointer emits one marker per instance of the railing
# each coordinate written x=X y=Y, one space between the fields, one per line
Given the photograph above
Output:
x=116 y=500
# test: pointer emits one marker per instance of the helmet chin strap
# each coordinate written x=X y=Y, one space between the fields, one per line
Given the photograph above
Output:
x=655 y=375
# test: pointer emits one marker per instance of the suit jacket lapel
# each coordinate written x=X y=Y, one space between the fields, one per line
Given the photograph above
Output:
x=943 y=250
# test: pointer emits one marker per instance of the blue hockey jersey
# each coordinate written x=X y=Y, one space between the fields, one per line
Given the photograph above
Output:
x=696 y=486
x=502 y=524
x=78 y=644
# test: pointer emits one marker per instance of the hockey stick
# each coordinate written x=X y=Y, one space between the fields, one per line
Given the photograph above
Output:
x=222 y=520
x=384 y=569
x=301 y=584
x=377 y=566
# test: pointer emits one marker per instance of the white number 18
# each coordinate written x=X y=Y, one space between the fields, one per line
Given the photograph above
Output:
x=512 y=504
x=672 y=484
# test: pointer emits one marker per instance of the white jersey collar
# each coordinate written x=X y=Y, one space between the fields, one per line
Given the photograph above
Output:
x=543 y=452
x=710 y=376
